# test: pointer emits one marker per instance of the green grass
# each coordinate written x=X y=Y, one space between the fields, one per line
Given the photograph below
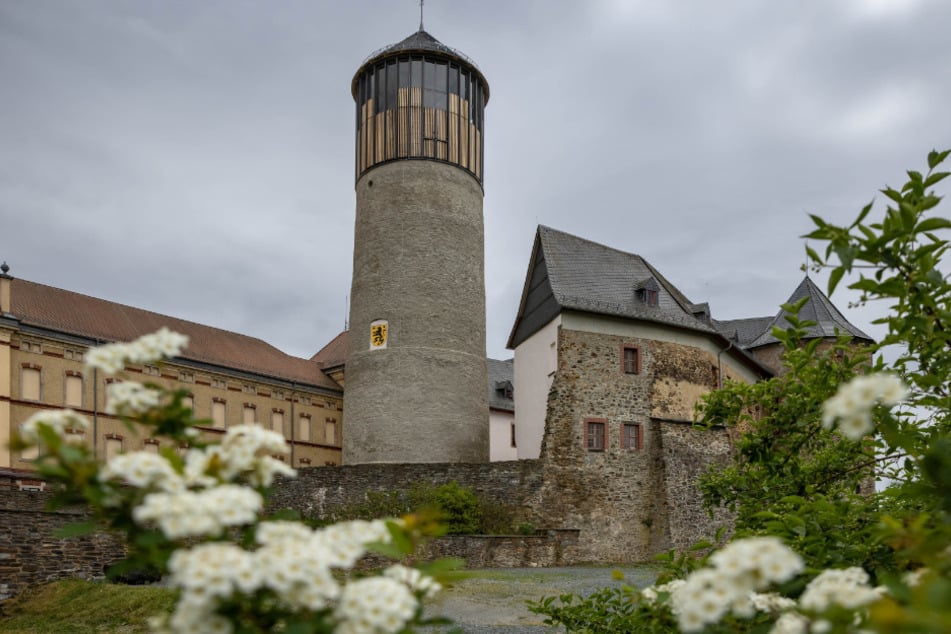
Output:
x=84 y=607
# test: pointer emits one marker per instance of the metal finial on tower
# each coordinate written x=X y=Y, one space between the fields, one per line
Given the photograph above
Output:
x=420 y=15
x=4 y=268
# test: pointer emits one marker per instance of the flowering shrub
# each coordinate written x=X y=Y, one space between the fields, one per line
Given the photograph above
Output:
x=198 y=518
x=815 y=549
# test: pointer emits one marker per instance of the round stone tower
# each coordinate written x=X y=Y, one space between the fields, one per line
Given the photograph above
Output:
x=416 y=387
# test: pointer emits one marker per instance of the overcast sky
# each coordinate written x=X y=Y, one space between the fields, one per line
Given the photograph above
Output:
x=195 y=157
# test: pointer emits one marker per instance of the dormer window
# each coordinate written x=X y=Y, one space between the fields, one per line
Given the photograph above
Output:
x=647 y=291
x=504 y=389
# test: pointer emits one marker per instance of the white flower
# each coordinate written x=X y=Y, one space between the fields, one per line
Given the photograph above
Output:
x=129 y=397
x=143 y=469
x=199 y=513
x=59 y=421
x=414 y=580
x=847 y=588
x=790 y=623
x=374 y=605
x=771 y=602
x=111 y=358
x=852 y=404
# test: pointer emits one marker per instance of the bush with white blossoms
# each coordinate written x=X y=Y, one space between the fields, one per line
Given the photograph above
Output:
x=198 y=518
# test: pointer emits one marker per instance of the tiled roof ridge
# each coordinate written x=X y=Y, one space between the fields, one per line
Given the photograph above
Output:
x=83 y=315
x=157 y=314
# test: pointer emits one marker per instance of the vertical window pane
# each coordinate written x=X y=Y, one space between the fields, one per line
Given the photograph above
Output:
x=30 y=384
x=248 y=415
x=74 y=391
x=595 y=436
x=218 y=413
x=277 y=422
x=330 y=433
x=303 y=429
x=113 y=447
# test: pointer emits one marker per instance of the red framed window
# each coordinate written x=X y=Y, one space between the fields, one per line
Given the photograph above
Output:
x=630 y=359
x=595 y=438
x=632 y=436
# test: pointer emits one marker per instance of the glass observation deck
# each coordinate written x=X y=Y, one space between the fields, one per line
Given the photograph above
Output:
x=420 y=99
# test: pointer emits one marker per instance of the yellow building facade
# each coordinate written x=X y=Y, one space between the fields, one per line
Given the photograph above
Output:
x=229 y=378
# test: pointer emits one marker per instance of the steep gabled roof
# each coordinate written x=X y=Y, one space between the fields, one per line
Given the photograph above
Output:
x=829 y=321
x=568 y=272
x=92 y=318
x=334 y=353
x=500 y=374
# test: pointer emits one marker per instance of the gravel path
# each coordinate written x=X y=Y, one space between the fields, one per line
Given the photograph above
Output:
x=493 y=601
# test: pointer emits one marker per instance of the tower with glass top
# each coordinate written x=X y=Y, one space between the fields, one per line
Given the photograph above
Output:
x=416 y=386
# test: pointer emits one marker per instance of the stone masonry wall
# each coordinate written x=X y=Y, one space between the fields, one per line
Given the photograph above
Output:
x=30 y=552
x=628 y=503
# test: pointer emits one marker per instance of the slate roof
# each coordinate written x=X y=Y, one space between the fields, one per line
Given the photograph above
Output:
x=500 y=373
x=571 y=273
x=829 y=321
x=63 y=311
x=592 y=277
x=743 y=331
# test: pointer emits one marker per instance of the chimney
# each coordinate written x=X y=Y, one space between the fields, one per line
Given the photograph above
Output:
x=5 y=280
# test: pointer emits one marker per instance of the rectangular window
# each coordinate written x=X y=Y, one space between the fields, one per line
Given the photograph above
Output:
x=150 y=445
x=249 y=414
x=303 y=428
x=186 y=377
x=512 y=434
x=249 y=388
x=30 y=346
x=30 y=382
x=330 y=432
x=113 y=445
x=277 y=421
x=151 y=370
x=218 y=383
x=105 y=392
x=594 y=434
x=632 y=436
x=630 y=359
x=72 y=355
x=29 y=454
x=189 y=402
x=303 y=400
x=74 y=389
x=218 y=412
x=277 y=395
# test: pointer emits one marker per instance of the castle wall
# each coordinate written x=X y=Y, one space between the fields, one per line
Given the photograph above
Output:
x=30 y=552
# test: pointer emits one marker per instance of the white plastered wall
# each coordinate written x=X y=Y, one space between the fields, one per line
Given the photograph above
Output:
x=536 y=360
x=500 y=436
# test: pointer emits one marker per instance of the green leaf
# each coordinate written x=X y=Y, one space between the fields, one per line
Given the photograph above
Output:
x=935 y=158
x=834 y=278
x=933 y=224
x=867 y=208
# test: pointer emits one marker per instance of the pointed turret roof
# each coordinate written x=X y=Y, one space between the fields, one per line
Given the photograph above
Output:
x=829 y=321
